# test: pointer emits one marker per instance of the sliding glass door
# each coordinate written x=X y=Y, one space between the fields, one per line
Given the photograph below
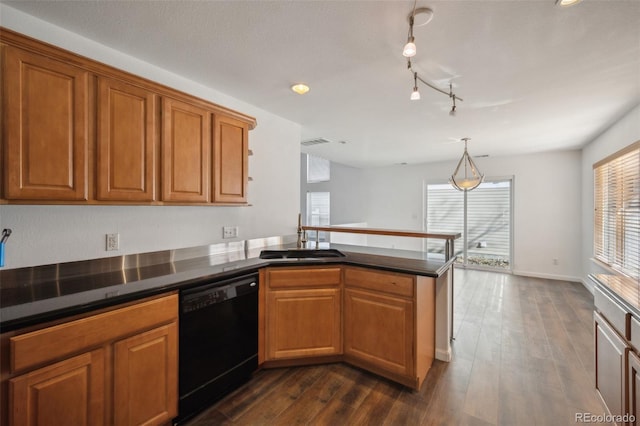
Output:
x=483 y=217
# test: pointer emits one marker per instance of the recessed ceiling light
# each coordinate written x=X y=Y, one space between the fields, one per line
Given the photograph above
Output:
x=300 y=88
x=567 y=3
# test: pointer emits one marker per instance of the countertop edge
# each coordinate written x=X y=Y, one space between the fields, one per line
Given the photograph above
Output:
x=187 y=279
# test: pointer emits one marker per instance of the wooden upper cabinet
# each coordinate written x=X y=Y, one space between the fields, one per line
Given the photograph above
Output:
x=231 y=153
x=126 y=142
x=186 y=148
x=46 y=128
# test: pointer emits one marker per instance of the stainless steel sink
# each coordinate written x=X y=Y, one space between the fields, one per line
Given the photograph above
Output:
x=300 y=254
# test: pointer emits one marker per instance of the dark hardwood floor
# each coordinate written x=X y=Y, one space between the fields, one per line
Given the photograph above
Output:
x=522 y=355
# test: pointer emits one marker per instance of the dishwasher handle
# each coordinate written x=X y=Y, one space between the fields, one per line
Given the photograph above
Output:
x=202 y=297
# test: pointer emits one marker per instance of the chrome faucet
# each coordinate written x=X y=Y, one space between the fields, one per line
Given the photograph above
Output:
x=302 y=235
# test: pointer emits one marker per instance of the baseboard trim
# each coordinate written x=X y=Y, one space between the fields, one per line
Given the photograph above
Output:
x=443 y=355
x=548 y=276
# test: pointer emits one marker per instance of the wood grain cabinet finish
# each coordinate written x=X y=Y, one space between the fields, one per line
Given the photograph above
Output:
x=611 y=354
x=379 y=330
x=389 y=323
x=303 y=313
x=145 y=377
x=75 y=131
x=231 y=153
x=126 y=144
x=45 y=128
x=116 y=367
x=380 y=321
x=186 y=148
x=70 y=392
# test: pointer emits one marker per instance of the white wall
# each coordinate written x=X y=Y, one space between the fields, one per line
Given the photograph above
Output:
x=547 y=219
x=51 y=234
x=347 y=190
x=621 y=134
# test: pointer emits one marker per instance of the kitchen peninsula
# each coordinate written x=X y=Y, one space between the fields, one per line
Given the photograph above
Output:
x=411 y=290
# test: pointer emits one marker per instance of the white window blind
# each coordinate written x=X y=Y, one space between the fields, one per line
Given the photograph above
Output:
x=318 y=212
x=617 y=210
x=318 y=169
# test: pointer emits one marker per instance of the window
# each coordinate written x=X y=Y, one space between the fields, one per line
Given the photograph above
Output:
x=318 y=169
x=482 y=216
x=318 y=209
x=617 y=211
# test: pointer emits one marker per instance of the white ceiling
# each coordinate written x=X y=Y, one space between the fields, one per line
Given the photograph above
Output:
x=533 y=76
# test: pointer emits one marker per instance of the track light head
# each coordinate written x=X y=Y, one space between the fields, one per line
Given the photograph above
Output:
x=409 y=50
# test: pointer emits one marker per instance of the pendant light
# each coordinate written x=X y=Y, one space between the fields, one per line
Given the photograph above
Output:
x=468 y=178
x=415 y=95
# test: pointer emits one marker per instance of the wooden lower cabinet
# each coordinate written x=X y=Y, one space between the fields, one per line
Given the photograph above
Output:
x=145 y=376
x=611 y=352
x=116 y=367
x=381 y=321
x=303 y=314
x=70 y=392
x=634 y=388
x=389 y=323
x=304 y=323
x=379 y=330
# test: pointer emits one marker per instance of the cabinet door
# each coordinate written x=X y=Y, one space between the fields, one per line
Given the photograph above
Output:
x=146 y=377
x=634 y=387
x=46 y=128
x=611 y=366
x=231 y=153
x=303 y=323
x=71 y=392
x=379 y=330
x=186 y=149
x=126 y=142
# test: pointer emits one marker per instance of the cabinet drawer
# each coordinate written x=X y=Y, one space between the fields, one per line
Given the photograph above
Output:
x=617 y=316
x=48 y=344
x=303 y=277
x=387 y=282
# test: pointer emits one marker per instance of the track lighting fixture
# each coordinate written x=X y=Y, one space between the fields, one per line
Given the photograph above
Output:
x=425 y=15
x=453 y=100
x=415 y=95
x=469 y=177
x=409 y=50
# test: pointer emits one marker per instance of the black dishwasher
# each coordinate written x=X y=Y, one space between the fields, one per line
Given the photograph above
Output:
x=218 y=341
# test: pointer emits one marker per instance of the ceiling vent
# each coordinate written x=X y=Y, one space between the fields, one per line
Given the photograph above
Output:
x=316 y=141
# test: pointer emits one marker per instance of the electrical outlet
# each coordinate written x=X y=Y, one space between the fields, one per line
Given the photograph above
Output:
x=113 y=242
x=229 y=231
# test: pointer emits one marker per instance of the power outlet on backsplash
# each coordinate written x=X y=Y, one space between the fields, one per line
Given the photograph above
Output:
x=229 y=232
x=112 y=242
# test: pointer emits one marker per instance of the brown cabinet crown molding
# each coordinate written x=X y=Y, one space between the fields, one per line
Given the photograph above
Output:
x=22 y=41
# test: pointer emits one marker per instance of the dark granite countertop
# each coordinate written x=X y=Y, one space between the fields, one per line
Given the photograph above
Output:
x=29 y=296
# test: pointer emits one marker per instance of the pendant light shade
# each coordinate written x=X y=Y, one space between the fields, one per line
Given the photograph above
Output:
x=409 y=50
x=466 y=176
